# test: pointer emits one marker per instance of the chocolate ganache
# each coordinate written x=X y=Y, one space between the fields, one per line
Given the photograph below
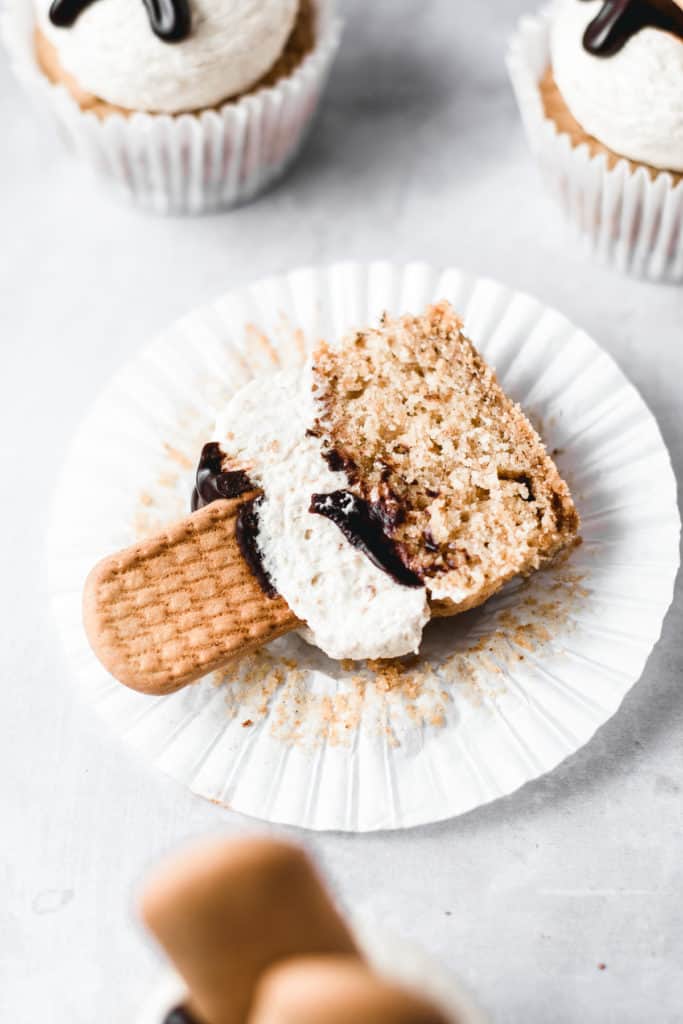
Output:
x=213 y=483
x=619 y=20
x=362 y=525
x=246 y=531
x=171 y=20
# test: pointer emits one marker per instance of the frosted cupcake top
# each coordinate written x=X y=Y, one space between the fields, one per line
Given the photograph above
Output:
x=619 y=67
x=167 y=56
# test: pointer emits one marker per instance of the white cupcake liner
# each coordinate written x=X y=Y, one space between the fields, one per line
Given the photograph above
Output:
x=188 y=163
x=392 y=957
x=499 y=695
x=624 y=217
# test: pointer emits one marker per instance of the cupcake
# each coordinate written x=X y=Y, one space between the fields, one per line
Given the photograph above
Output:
x=387 y=481
x=599 y=83
x=184 y=105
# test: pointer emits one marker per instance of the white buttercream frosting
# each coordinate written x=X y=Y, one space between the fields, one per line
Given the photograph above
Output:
x=353 y=609
x=113 y=53
x=631 y=101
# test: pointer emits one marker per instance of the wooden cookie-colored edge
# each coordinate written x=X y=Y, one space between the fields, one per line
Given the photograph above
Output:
x=274 y=617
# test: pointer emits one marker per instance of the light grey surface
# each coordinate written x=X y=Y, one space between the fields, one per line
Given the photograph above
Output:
x=418 y=154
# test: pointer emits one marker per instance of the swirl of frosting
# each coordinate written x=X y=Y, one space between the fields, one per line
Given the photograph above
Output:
x=631 y=102
x=169 y=19
x=111 y=51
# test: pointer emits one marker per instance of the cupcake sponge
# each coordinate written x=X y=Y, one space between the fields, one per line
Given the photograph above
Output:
x=461 y=480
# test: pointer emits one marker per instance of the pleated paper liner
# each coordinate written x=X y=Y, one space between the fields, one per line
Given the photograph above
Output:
x=624 y=218
x=187 y=163
x=390 y=956
x=498 y=696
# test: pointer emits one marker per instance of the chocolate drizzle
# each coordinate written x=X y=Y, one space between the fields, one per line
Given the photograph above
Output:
x=619 y=20
x=246 y=531
x=171 y=20
x=213 y=483
x=179 y=1015
x=364 y=527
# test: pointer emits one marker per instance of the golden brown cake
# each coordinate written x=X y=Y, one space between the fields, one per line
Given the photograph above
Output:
x=559 y=113
x=461 y=481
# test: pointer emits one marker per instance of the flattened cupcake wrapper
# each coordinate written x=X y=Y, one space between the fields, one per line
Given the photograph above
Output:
x=624 y=217
x=187 y=163
x=392 y=957
x=498 y=695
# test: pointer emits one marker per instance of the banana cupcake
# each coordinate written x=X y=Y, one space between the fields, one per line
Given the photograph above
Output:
x=184 y=105
x=598 y=84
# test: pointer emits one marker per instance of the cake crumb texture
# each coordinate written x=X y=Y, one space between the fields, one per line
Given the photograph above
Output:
x=426 y=435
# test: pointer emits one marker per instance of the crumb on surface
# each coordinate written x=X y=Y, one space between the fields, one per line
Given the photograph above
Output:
x=417 y=692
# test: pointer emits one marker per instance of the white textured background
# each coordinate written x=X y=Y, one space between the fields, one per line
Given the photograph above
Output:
x=417 y=154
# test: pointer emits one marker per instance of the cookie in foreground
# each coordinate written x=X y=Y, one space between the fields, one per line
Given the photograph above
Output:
x=254 y=933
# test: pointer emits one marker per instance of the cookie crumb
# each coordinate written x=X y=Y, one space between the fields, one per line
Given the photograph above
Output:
x=180 y=458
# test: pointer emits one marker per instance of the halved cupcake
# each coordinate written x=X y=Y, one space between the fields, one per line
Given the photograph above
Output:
x=399 y=482
x=386 y=481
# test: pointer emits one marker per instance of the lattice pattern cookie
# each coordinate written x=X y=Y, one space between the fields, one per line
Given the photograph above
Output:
x=167 y=611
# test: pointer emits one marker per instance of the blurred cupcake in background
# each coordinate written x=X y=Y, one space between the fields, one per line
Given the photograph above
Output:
x=184 y=106
x=599 y=86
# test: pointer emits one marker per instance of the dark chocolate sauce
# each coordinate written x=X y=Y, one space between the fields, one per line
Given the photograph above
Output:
x=179 y=1015
x=363 y=526
x=213 y=483
x=171 y=20
x=619 y=20
x=246 y=531
x=63 y=13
